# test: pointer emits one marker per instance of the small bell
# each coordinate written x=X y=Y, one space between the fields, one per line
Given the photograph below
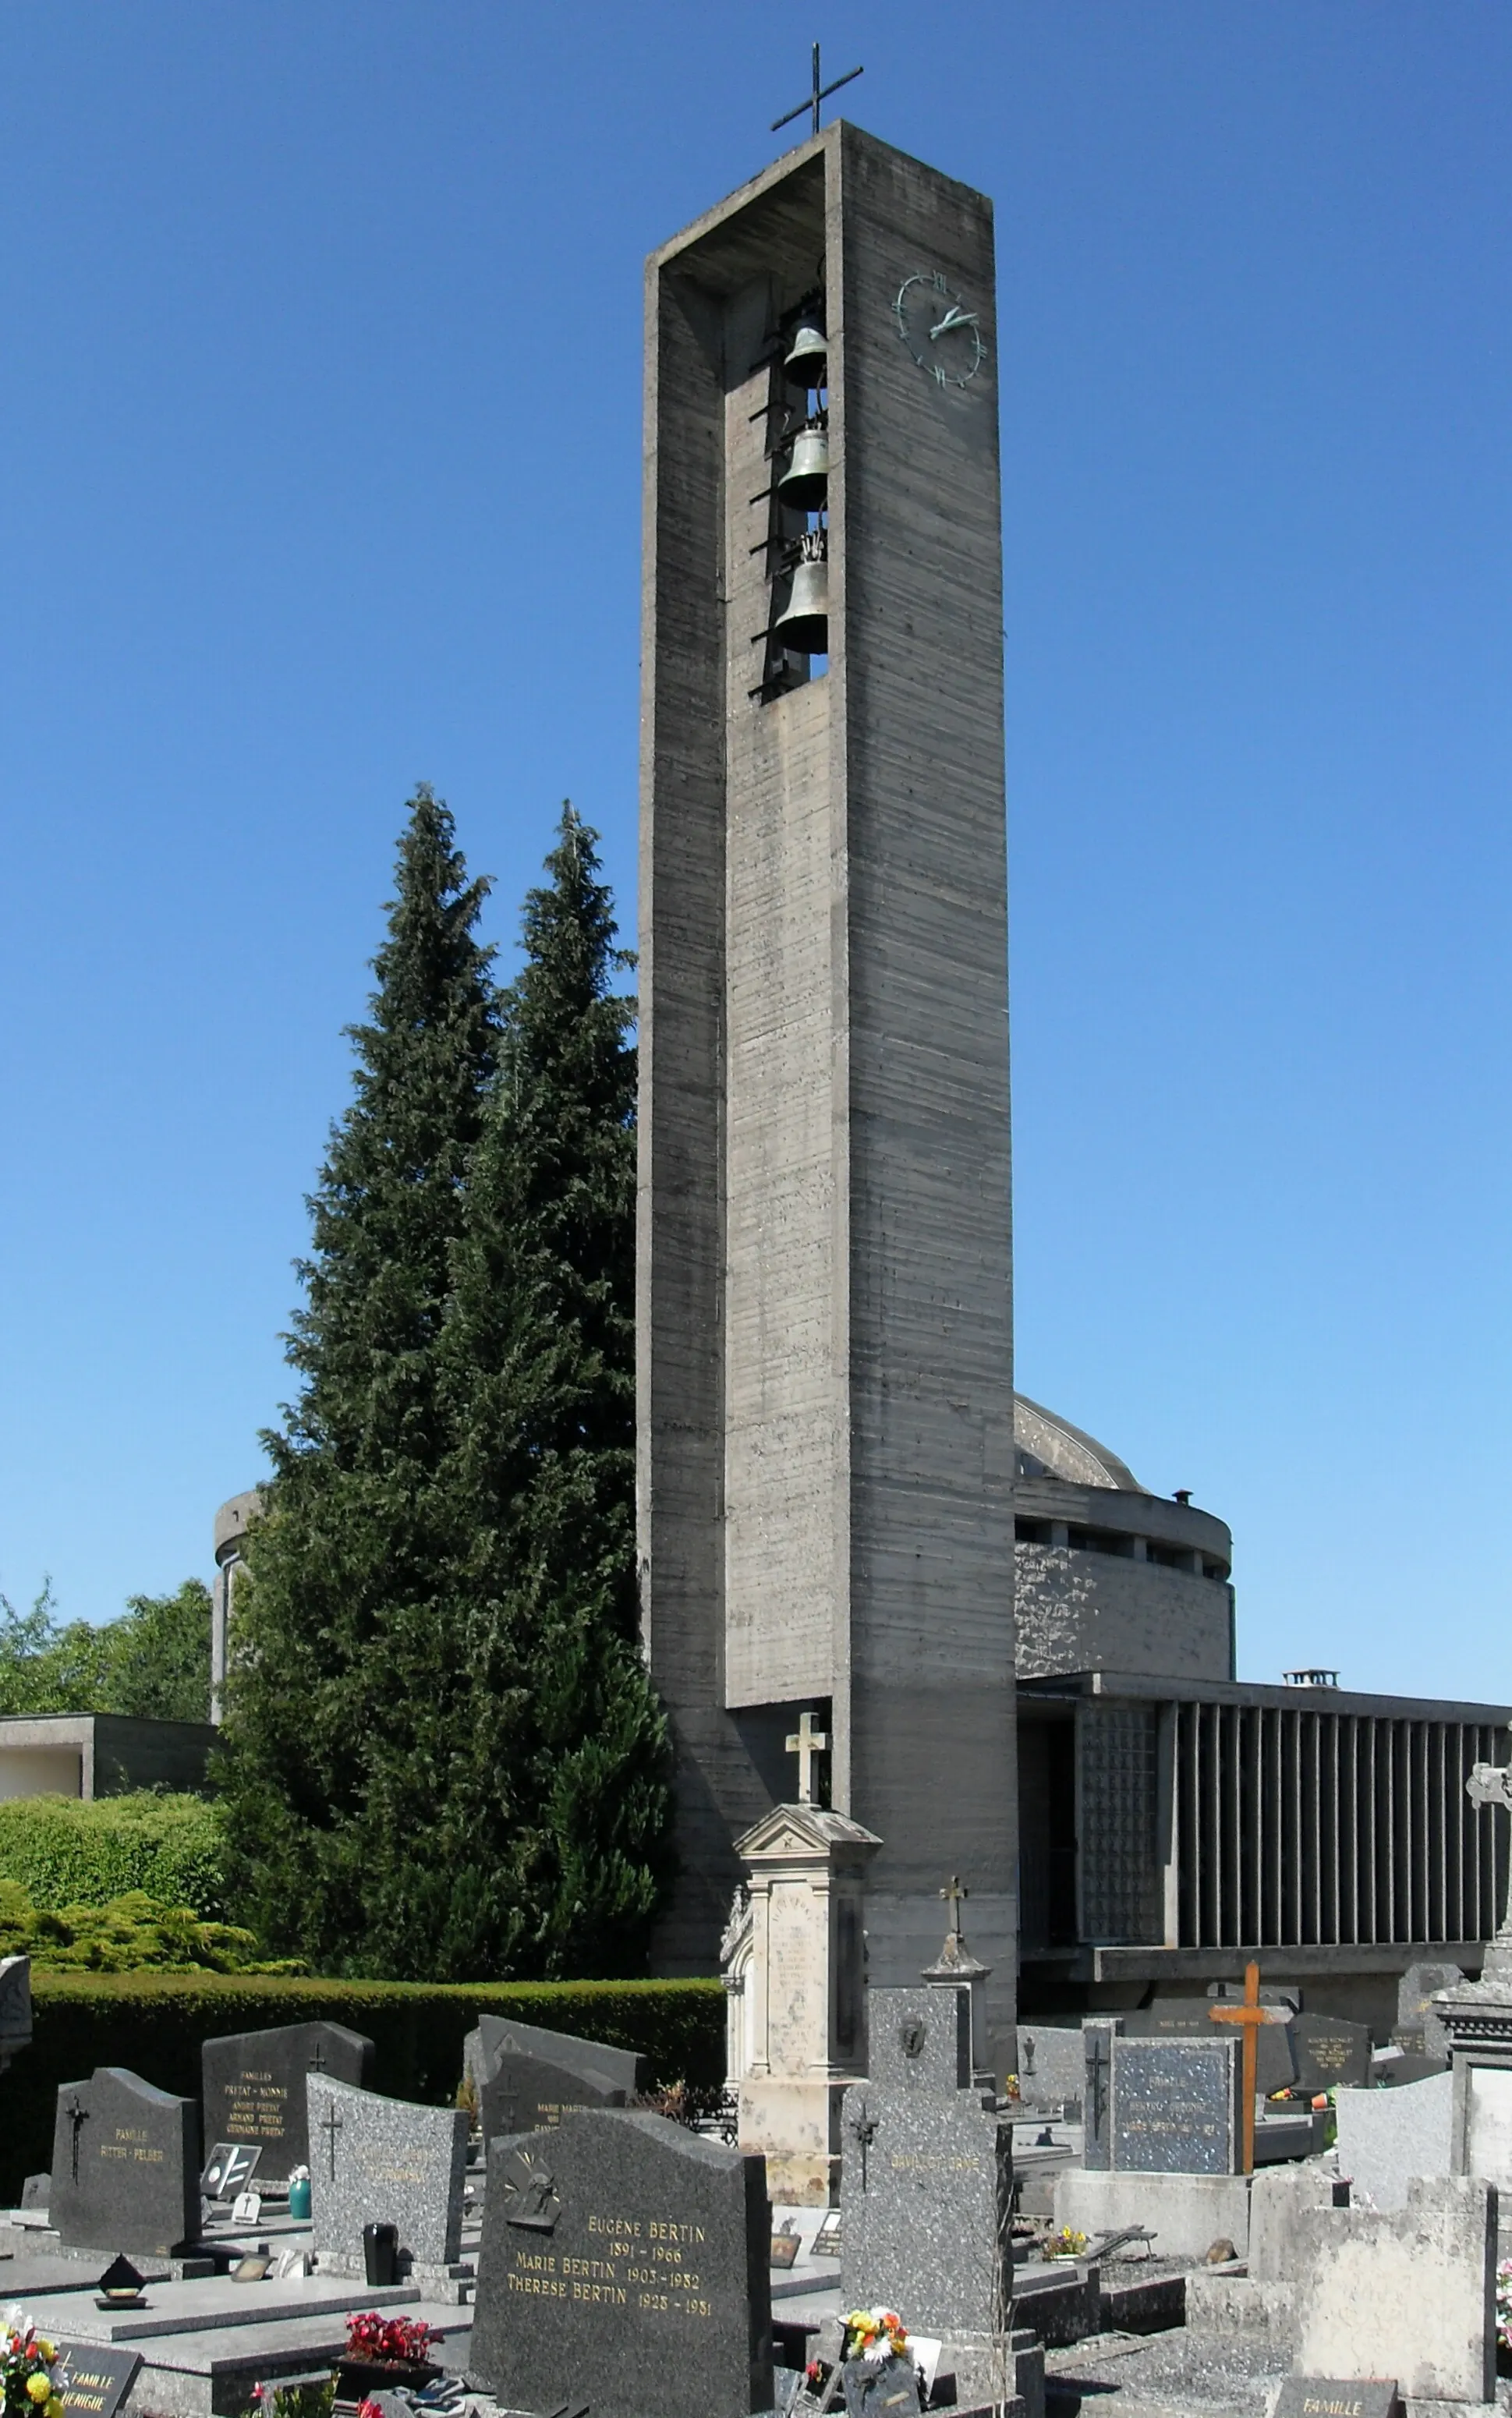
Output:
x=808 y=358
x=806 y=480
x=804 y=623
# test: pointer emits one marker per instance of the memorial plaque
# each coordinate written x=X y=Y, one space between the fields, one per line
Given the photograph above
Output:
x=95 y=2378
x=1175 y=2107
x=1331 y=2054
x=384 y=2162
x=927 y=2177
x=624 y=2265
x=1332 y=2397
x=125 y=2165
x=254 y=2085
x=228 y=2170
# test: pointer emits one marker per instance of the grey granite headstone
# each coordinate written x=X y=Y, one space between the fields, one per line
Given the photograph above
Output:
x=1332 y=2054
x=254 y=2086
x=382 y=2162
x=1175 y=2107
x=1418 y=2019
x=1051 y=2064
x=1384 y=2137
x=126 y=2163
x=1192 y=2019
x=624 y=2264
x=926 y=2175
x=618 y=2069
x=528 y=2094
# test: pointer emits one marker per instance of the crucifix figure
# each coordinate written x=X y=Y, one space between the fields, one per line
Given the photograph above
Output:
x=862 y=2129
x=330 y=2124
x=1097 y=2069
x=953 y=1893
x=78 y=2116
x=806 y=1742
x=816 y=96
x=1250 y=2014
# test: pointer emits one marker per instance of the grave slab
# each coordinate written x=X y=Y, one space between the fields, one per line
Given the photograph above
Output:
x=384 y=2162
x=624 y=2264
x=125 y=2165
x=1187 y=2214
x=254 y=2086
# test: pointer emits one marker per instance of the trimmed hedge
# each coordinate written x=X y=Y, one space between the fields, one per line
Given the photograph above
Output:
x=78 y=1851
x=154 y=2024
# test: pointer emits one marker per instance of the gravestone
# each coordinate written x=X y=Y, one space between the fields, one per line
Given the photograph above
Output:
x=254 y=2086
x=1192 y=2019
x=624 y=2265
x=1331 y=2054
x=378 y=2161
x=1174 y=2107
x=1418 y=2026
x=36 y=2191
x=620 y=2068
x=1386 y=2138
x=95 y=2380
x=1338 y=2396
x=1052 y=2064
x=15 y=2006
x=927 y=2175
x=530 y=2095
x=125 y=2165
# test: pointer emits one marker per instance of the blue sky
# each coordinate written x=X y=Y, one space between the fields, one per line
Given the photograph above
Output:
x=319 y=405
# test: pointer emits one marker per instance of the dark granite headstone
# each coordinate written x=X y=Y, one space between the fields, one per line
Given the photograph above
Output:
x=526 y=2094
x=624 y=2264
x=36 y=2191
x=95 y=2380
x=254 y=2085
x=1176 y=2108
x=15 y=2006
x=125 y=2165
x=1192 y=2019
x=1336 y=2396
x=926 y=2175
x=619 y=2068
x=1331 y=2052
x=1390 y=2072
x=885 y=2388
x=1418 y=2024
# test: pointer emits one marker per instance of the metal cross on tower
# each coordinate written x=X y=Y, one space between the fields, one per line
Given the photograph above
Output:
x=806 y=1742
x=817 y=95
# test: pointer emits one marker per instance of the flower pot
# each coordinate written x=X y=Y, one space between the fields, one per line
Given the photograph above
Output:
x=358 y=2379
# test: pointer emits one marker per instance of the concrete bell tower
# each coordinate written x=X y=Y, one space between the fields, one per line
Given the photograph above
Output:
x=826 y=1411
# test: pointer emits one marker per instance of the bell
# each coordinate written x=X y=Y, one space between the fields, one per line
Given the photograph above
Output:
x=804 y=624
x=806 y=480
x=809 y=357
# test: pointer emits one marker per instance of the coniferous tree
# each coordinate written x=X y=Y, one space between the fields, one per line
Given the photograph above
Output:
x=568 y=1748
x=348 y=1690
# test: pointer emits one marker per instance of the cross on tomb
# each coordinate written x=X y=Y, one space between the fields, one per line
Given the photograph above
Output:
x=317 y=2063
x=1097 y=2070
x=78 y=2116
x=816 y=96
x=953 y=1893
x=330 y=2124
x=1250 y=2015
x=806 y=1742
x=862 y=2129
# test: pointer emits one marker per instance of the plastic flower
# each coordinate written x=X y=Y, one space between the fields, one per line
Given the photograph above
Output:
x=39 y=2388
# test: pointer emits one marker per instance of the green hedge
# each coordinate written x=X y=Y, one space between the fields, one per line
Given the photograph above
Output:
x=154 y=2024
x=69 y=1851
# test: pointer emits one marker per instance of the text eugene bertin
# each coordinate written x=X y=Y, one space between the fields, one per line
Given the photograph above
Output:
x=645 y=2257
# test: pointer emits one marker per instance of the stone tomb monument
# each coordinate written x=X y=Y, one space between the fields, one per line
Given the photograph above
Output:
x=793 y=1967
x=929 y=2173
x=385 y=2162
x=624 y=2264
x=528 y=2077
x=254 y=2086
x=1163 y=2106
x=1332 y=2054
x=126 y=2163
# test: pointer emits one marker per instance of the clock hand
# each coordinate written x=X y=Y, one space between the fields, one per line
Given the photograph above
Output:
x=953 y=318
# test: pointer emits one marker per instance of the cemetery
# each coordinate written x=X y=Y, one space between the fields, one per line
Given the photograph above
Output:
x=1168 y=2067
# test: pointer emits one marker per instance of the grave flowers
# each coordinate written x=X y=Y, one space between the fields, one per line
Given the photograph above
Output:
x=382 y=2353
x=27 y=2369
x=876 y=2366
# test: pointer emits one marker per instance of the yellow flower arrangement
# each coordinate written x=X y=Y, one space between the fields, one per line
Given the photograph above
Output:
x=873 y=2334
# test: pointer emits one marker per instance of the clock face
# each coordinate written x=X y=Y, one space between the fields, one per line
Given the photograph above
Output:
x=940 y=329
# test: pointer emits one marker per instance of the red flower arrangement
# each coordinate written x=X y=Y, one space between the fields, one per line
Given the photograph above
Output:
x=392 y=2341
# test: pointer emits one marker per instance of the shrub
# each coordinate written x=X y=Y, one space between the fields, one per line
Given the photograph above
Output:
x=67 y=1851
x=155 y=2022
x=134 y=1934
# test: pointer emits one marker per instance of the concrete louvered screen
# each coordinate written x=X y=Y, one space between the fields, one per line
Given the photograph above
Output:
x=1296 y=1827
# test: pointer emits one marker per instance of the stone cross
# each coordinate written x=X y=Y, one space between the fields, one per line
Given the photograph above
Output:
x=330 y=2124
x=953 y=1894
x=1250 y=2013
x=78 y=2116
x=806 y=1742
x=813 y=103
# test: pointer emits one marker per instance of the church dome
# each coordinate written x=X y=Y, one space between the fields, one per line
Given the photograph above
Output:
x=1048 y=1446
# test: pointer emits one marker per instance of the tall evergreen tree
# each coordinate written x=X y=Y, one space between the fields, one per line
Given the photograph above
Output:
x=349 y=1690
x=568 y=1750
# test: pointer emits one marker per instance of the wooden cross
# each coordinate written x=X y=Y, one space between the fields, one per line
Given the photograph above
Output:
x=78 y=2116
x=1250 y=2015
x=953 y=1894
x=806 y=1742
x=813 y=103
x=330 y=2124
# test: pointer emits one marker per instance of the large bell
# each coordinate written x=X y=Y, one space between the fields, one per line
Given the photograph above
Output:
x=809 y=357
x=804 y=625
x=806 y=480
